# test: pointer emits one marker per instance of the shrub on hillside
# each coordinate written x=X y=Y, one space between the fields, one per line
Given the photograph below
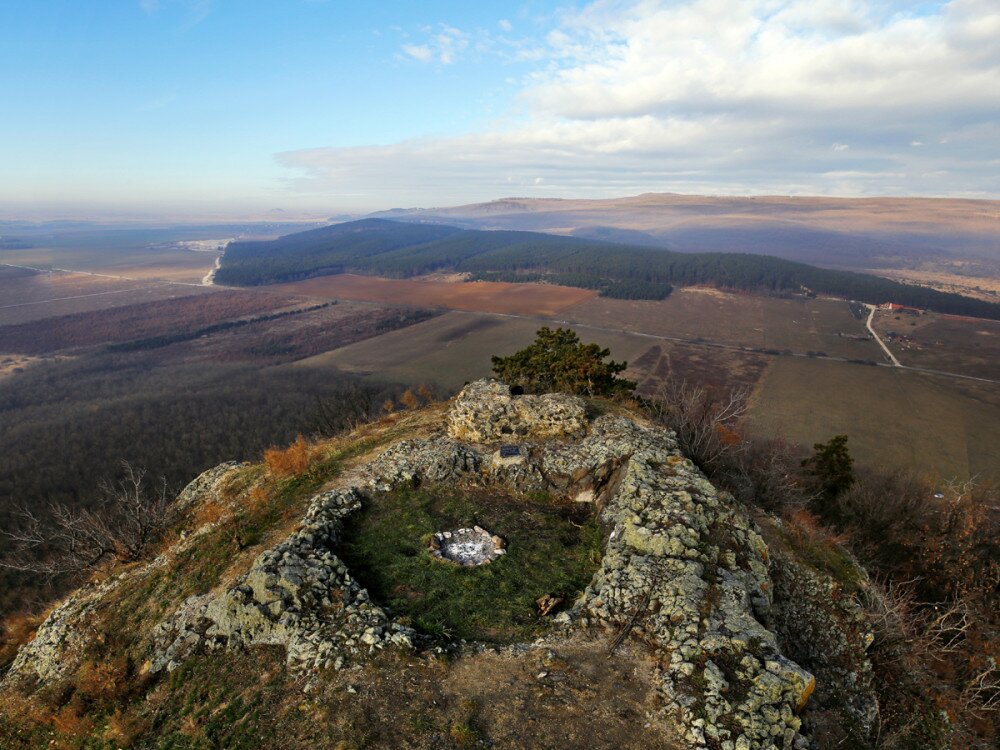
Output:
x=291 y=460
x=558 y=361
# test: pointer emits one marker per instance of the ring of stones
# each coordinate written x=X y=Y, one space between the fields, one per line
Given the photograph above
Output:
x=467 y=547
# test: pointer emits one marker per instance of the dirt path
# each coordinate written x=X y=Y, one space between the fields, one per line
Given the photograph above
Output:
x=868 y=324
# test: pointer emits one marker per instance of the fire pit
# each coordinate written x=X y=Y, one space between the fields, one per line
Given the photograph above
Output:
x=467 y=547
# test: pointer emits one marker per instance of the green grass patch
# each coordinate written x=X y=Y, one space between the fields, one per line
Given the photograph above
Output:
x=552 y=548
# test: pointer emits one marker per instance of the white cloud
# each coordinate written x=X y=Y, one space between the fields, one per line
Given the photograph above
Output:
x=741 y=96
x=420 y=52
x=443 y=45
x=505 y=25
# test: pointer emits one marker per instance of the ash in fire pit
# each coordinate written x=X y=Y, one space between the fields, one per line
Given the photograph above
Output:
x=467 y=547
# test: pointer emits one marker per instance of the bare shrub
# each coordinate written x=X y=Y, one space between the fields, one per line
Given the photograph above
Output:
x=764 y=472
x=930 y=659
x=350 y=407
x=409 y=400
x=62 y=540
x=947 y=541
x=704 y=425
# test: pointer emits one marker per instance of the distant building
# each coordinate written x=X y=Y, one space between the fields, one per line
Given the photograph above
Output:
x=893 y=307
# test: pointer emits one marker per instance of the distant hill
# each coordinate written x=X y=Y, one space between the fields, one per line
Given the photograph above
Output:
x=401 y=250
x=851 y=233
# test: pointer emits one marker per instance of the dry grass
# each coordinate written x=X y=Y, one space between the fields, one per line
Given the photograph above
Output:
x=289 y=461
x=475 y=296
x=16 y=630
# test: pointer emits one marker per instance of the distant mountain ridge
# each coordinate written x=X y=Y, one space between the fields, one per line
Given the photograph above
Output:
x=850 y=233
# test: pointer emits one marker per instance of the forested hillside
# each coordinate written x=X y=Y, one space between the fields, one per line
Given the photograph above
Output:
x=401 y=250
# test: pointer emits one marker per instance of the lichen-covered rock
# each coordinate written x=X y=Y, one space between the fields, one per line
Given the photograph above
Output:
x=298 y=595
x=204 y=484
x=439 y=459
x=486 y=412
x=820 y=623
x=56 y=648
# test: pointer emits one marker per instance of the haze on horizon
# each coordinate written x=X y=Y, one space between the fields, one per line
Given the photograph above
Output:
x=185 y=108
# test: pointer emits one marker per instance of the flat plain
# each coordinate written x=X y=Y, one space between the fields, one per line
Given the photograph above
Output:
x=452 y=349
x=476 y=296
x=796 y=324
x=892 y=417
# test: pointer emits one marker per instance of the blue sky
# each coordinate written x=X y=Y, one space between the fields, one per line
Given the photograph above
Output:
x=228 y=107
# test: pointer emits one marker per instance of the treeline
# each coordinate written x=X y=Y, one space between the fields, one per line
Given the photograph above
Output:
x=401 y=250
x=155 y=342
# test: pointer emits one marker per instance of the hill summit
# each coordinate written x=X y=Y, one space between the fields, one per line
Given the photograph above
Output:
x=622 y=601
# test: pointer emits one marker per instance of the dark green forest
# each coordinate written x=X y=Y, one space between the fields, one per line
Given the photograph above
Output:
x=401 y=250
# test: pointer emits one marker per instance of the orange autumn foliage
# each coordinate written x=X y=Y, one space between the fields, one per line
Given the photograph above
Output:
x=291 y=460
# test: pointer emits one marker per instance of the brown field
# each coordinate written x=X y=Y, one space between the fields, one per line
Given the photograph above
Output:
x=48 y=295
x=133 y=321
x=456 y=347
x=799 y=325
x=474 y=296
x=934 y=425
x=969 y=346
x=893 y=418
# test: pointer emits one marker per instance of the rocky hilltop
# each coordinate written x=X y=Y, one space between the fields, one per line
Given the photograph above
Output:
x=723 y=635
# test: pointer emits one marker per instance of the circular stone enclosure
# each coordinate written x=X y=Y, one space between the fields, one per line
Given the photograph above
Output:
x=467 y=547
x=396 y=547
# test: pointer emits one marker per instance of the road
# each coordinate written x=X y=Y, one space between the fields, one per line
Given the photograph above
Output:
x=868 y=324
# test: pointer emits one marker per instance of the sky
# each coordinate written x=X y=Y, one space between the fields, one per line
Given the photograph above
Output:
x=288 y=108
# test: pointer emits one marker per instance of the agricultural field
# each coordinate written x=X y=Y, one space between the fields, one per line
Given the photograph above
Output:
x=48 y=295
x=796 y=324
x=177 y=264
x=969 y=346
x=136 y=320
x=475 y=296
x=894 y=418
x=453 y=349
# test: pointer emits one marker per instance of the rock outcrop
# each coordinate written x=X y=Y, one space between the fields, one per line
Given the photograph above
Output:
x=684 y=570
x=486 y=412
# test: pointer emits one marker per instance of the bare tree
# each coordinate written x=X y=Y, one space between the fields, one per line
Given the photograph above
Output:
x=705 y=426
x=345 y=410
x=63 y=540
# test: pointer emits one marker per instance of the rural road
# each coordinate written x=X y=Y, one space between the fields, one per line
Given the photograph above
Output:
x=868 y=324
